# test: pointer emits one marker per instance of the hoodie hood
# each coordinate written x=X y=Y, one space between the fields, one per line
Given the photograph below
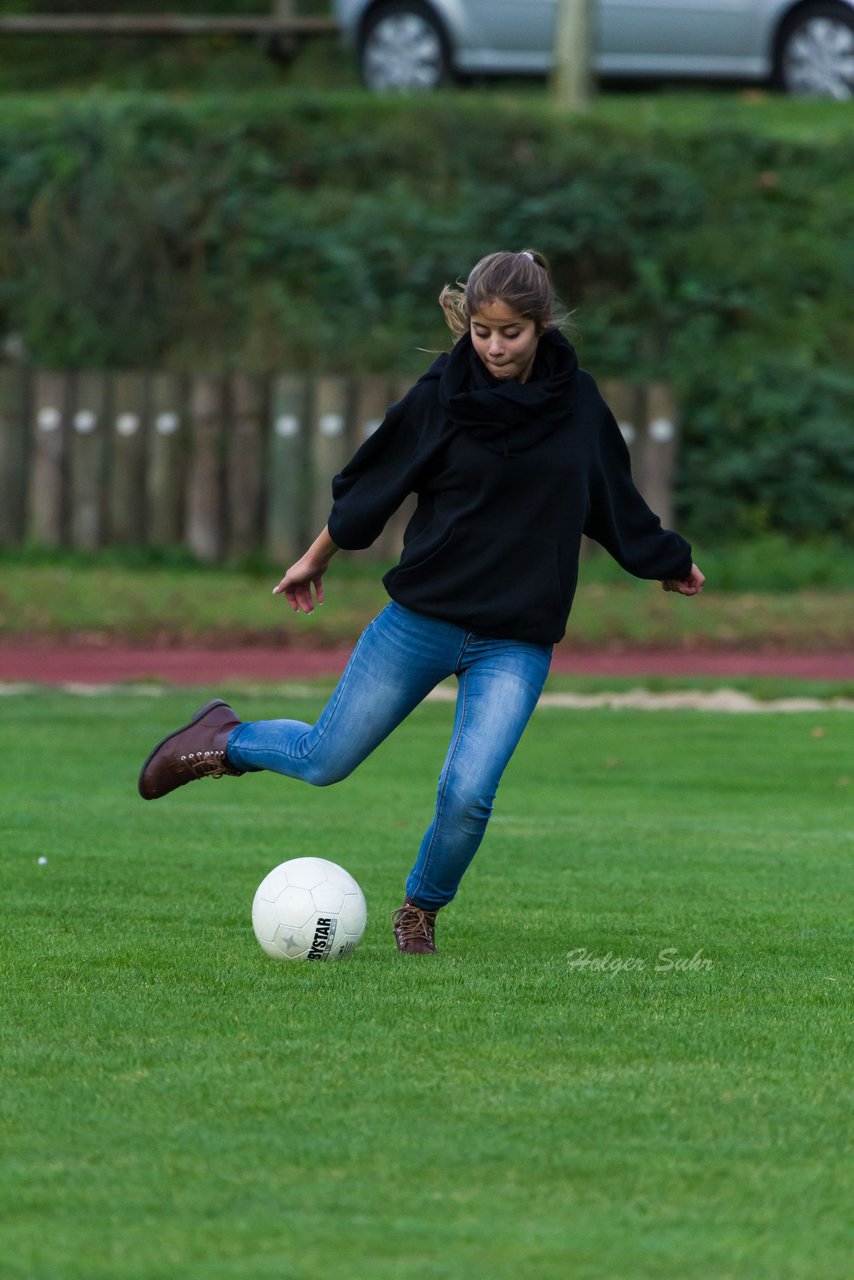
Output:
x=507 y=416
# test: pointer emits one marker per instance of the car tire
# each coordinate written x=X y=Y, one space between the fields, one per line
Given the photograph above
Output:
x=403 y=48
x=815 y=53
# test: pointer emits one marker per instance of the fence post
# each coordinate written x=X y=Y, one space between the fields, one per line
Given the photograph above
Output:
x=661 y=425
x=166 y=476
x=244 y=478
x=288 y=476
x=13 y=453
x=206 y=510
x=127 y=459
x=87 y=461
x=330 y=444
x=626 y=402
x=46 y=495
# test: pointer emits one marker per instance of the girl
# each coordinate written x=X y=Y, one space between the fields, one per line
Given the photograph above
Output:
x=513 y=455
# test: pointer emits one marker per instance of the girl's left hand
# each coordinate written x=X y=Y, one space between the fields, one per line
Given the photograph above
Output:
x=690 y=586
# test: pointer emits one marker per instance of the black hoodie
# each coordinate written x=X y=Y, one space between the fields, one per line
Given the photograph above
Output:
x=508 y=477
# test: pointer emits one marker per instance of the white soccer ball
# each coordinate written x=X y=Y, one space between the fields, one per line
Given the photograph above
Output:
x=309 y=909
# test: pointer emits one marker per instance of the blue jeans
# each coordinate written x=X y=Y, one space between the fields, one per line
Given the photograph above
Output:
x=398 y=659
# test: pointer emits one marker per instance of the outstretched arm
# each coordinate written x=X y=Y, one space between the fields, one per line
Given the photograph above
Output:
x=620 y=520
x=690 y=586
x=307 y=573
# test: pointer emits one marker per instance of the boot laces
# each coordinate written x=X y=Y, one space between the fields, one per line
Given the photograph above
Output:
x=410 y=922
x=204 y=764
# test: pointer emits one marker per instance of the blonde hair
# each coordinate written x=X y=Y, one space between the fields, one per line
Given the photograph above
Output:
x=523 y=280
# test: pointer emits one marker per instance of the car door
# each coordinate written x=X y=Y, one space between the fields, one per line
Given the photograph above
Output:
x=507 y=33
x=674 y=35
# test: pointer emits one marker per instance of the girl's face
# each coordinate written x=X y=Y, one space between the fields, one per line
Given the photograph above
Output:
x=505 y=341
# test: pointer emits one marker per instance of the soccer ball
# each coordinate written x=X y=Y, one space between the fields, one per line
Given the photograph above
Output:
x=309 y=909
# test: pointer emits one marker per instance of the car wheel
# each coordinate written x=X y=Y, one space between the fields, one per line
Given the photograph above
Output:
x=404 y=47
x=816 y=53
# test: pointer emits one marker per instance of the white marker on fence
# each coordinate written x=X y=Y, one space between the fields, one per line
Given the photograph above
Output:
x=167 y=423
x=286 y=426
x=661 y=430
x=85 y=421
x=127 y=424
x=371 y=426
x=49 y=418
x=628 y=431
x=331 y=424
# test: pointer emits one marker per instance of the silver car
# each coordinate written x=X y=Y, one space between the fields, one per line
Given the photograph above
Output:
x=805 y=48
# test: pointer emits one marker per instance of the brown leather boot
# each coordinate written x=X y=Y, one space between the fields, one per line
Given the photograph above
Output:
x=414 y=929
x=196 y=751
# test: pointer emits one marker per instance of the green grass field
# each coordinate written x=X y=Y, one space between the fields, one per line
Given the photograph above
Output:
x=177 y=1104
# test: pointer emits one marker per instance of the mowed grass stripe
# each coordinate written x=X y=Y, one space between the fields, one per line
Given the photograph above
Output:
x=538 y=1100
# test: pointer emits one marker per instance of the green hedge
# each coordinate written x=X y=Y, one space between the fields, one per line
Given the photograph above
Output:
x=315 y=231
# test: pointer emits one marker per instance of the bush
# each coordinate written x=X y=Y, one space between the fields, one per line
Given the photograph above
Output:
x=314 y=232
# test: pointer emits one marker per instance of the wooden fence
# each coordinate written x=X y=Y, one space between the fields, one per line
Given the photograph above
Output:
x=226 y=466
x=283 y=30
x=282 y=20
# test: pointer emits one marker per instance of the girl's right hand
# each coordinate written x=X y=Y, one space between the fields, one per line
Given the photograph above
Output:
x=307 y=573
x=296 y=586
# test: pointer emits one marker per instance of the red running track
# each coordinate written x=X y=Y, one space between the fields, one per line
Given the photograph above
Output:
x=178 y=666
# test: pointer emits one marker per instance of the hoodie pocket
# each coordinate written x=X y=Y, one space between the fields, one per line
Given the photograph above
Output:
x=497 y=576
